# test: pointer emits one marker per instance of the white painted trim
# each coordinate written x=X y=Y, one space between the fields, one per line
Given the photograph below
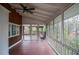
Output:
x=53 y=52
x=15 y=44
x=51 y=46
x=54 y=49
x=14 y=35
x=14 y=24
x=11 y=33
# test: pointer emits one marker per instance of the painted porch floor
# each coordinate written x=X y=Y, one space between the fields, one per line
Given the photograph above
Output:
x=38 y=47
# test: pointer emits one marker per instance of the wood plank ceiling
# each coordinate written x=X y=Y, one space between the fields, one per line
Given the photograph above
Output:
x=44 y=12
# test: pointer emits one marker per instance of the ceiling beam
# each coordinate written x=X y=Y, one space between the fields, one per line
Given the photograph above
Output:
x=38 y=10
x=41 y=15
x=46 y=8
x=31 y=21
x=33 y=18
x=62 y=11
x=7 y=6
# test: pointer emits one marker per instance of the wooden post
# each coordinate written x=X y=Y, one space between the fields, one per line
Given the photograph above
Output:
x=30 y=32
x=38 y=31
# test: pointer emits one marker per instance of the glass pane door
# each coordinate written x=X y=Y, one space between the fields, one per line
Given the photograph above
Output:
x=34 y=33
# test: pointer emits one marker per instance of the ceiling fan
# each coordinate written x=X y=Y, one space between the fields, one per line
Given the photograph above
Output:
x=25 y=9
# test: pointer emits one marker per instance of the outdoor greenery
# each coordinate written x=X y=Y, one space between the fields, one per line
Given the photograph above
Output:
x=70 y=35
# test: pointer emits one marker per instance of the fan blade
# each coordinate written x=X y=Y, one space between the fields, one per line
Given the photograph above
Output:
x=31 y=8
x=18 y=9
x=30 y=12
x=23 y=11
x=22 y=6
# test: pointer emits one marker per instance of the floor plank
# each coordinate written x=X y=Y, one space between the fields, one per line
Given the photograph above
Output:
x=32 y=48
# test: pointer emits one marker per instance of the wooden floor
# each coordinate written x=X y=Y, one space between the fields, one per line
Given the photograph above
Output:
x=39 y=47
